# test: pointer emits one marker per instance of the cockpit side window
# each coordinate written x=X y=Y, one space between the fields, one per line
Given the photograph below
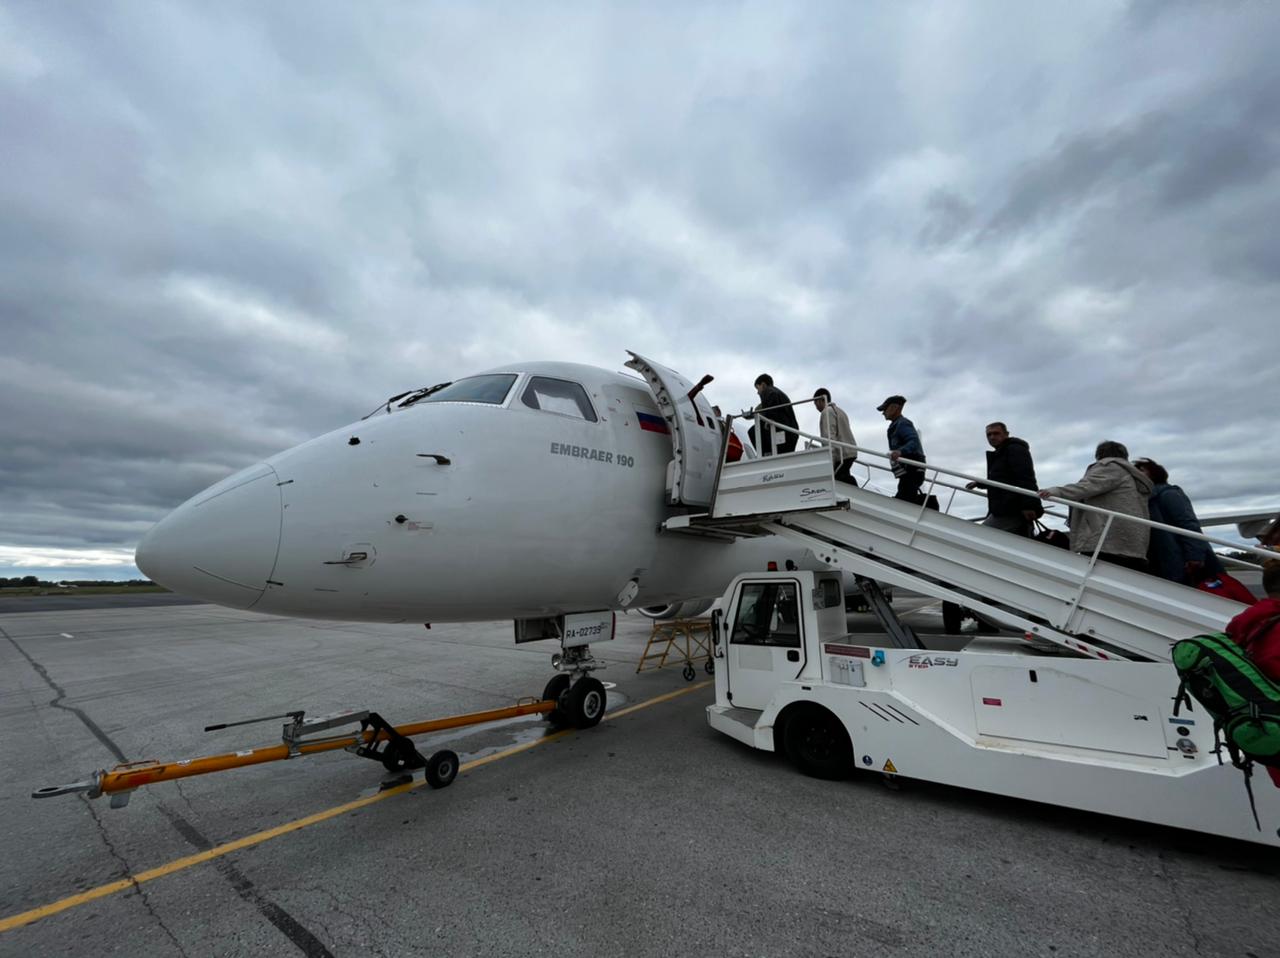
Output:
x=558 y=396
x=490 y=389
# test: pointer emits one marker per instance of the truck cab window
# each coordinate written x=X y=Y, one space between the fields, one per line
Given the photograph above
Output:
x=768 y=614
x=559 y=396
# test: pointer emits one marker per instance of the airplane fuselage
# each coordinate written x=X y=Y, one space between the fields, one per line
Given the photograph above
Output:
x=457 y=511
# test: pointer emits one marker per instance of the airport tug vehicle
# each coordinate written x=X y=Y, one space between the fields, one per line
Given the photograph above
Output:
x=572 y=698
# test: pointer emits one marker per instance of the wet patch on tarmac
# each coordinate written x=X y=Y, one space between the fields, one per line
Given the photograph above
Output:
x=492 y=738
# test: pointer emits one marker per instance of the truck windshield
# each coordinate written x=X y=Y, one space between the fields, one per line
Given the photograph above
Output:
x=490 y=389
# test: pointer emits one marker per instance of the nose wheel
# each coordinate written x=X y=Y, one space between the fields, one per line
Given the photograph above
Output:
x=554 y=691
x=579 y=704
x=585 y=702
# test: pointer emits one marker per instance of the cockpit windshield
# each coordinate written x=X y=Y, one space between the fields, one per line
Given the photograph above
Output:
x=490 y=389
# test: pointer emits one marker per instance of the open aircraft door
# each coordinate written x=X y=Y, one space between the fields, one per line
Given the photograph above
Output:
x=695 y=432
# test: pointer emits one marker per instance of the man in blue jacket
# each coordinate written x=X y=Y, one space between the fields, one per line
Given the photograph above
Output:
x=904 y=443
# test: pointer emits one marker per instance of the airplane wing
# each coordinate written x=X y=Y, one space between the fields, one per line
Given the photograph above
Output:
x=1263 y=525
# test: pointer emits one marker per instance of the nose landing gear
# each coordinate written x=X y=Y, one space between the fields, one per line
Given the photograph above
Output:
x=580 y=699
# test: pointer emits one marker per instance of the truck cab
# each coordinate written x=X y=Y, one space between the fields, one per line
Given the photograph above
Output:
x=768 y=640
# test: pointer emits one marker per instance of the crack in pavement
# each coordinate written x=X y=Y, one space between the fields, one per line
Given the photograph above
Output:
x=356 y=919
x=124 y=864
x=56 y=702
x=177 y=784
x=305 y=942
x=1177 y=897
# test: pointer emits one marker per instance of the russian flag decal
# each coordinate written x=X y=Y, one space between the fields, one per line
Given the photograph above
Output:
x=651 y=423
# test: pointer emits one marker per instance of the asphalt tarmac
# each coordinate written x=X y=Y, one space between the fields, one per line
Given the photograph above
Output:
x=648 y=835
x=75 y=603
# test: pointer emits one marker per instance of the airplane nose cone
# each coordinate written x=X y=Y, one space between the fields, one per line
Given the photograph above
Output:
x=220 y=545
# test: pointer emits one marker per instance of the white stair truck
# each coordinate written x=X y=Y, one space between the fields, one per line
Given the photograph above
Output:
x=1082 y=733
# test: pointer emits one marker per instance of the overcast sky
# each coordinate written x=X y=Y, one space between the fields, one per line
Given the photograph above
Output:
x=226 y=228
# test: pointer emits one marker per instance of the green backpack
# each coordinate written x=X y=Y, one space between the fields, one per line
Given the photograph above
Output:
x=1243 y=703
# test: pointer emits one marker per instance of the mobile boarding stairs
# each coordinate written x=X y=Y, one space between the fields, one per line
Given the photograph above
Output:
x=1074 y=708
x=1050 y=595
x=1054 y=597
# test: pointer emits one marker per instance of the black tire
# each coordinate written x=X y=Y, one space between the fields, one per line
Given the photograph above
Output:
x=399 y=755
x=585 y=704
x=442 y=768
x=817 y=744
x=710 y=667
x=554 y=692
x=689 y=672
x=555 y=687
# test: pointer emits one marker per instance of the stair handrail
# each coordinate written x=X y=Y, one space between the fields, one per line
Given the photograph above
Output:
x=991 y=483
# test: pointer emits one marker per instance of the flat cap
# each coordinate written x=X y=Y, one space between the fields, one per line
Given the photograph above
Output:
x=900 y=400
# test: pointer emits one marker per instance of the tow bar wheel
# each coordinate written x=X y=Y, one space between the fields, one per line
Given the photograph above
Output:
x=442 y=768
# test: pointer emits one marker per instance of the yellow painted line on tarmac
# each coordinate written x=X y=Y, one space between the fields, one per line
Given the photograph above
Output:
x=658 y=700
x=248 y=841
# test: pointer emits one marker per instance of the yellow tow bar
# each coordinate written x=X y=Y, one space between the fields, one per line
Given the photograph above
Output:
x=375 y=739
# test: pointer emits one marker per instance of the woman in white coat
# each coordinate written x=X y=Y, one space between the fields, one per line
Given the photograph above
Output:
x=1111 y=482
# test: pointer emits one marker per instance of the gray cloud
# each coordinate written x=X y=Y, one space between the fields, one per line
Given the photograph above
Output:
x=225 y=229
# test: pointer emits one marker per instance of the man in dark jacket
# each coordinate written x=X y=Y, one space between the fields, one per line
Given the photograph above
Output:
x=904 y=442
x=1009 y=461
x=770 y=397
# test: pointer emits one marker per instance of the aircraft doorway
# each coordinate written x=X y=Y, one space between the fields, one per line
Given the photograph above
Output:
x=765 y=644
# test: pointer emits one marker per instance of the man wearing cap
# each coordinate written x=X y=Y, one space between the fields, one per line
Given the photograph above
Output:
x=834 y=424
x=904 y=442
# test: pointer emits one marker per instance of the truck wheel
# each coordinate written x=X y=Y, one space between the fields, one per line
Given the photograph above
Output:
x=442 y=768
x=817 y=744
x=585 y=704
x=558 y=685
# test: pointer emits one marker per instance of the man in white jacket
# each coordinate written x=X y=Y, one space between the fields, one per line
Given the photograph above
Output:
x=834 y=424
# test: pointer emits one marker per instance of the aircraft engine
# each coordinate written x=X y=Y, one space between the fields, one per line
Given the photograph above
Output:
x=678 y=610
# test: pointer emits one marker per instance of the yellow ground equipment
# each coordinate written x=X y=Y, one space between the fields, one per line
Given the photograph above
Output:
x=679 y=639
x=375 y=739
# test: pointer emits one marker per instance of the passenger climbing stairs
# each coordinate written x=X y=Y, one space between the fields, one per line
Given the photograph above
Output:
x=1053 y=596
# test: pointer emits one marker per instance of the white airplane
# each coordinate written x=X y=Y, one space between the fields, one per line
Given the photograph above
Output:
x=526 y=492
x=1261 y=525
